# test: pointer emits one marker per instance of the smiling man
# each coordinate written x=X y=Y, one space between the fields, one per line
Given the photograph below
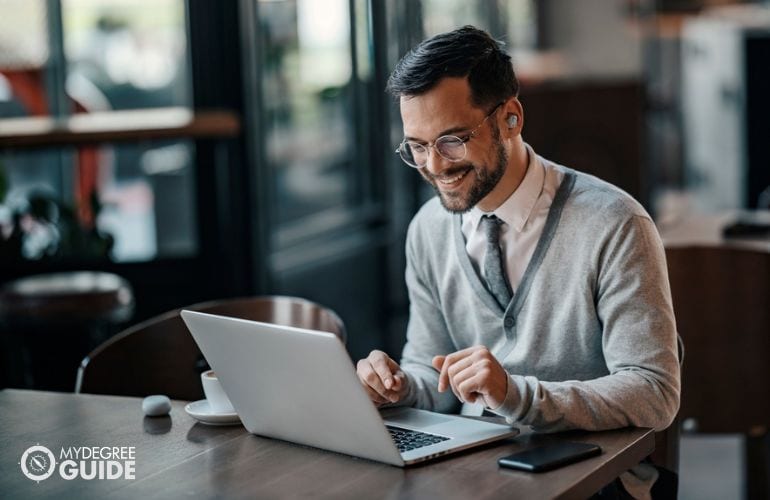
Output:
x=490 y=181
x=537 y=293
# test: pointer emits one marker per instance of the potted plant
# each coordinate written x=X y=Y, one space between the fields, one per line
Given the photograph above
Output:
x=39 y=226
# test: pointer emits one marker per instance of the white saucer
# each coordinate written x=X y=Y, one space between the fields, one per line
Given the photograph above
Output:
x=201 y=411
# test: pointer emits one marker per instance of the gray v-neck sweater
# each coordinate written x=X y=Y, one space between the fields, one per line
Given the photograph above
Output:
x=589 y=339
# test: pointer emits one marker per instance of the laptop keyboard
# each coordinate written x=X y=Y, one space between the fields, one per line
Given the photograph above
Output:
x=407 y=439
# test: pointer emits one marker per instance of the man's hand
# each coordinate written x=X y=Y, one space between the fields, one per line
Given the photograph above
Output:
x=474 y=376
x=382 y=378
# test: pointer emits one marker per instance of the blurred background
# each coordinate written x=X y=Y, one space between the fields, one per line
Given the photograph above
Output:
x=160 y=153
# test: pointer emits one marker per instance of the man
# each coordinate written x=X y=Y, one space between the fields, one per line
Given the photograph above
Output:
x=536 y=292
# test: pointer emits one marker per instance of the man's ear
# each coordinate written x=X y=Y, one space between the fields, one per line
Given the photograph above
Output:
x=514 y=113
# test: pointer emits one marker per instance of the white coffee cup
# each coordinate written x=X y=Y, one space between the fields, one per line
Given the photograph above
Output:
x=215 y=395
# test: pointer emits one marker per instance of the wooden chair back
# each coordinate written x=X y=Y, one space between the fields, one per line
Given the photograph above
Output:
x=159 y=356
x=722 y=303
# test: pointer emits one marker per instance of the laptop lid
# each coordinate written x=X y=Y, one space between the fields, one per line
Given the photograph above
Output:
x=293 y=384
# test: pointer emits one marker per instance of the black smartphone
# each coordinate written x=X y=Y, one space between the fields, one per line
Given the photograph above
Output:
x=549 y=456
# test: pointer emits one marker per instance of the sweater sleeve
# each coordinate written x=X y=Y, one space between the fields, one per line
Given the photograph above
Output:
x=639 y=344
x=426 y=336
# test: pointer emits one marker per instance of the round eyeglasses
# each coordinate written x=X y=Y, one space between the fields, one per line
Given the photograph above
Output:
x=449 y=147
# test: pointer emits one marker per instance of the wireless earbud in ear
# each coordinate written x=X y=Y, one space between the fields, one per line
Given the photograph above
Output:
x=513 y=120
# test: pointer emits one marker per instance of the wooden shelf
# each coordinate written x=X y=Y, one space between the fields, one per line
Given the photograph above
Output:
x=117 y=126
x=664 y=25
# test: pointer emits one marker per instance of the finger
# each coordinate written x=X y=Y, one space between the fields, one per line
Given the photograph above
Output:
x=443 y=376
x=399 y=378
x=464 y=352
x=376 y=398
x=398 y=375
x=463 y=375
x=459 y=366
x=382 y=367
x=455 y=357
x=460 y=371
x=438 y=364
x=369 y=376
x=470 y=389
x=386 y=369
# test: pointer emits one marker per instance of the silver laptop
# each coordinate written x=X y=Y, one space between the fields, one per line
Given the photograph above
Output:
x=301 y=386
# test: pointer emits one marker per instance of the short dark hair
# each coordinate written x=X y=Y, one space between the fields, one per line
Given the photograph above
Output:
x=465 y=52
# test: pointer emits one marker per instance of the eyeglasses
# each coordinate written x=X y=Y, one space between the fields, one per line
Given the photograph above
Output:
x=449 y=147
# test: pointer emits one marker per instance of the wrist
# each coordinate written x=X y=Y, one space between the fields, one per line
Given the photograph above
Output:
x=501 y=392
x=510 y=401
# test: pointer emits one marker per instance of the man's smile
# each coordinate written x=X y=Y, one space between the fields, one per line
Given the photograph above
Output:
x=449 y=179
x=454 y=179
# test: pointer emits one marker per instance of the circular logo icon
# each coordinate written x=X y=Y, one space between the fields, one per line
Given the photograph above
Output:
x=38 y=463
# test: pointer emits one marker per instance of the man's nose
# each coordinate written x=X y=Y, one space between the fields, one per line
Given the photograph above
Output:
x=435 y=163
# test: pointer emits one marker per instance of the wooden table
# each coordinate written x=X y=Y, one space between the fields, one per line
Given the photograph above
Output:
x=177 y=457
x=705 y=230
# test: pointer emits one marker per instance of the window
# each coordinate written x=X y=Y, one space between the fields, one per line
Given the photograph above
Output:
x=124 y=54
x=513 y=21
x=308 y=101
x=131 y=202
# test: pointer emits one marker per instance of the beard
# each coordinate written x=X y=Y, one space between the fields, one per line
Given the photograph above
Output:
x=486 y=180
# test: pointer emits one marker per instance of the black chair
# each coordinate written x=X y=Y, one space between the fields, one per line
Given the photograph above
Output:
x=159 y=356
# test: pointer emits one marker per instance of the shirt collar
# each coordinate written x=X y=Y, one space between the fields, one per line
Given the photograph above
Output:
x=515 y=210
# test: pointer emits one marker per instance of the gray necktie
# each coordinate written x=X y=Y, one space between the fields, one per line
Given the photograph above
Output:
x=497 y=283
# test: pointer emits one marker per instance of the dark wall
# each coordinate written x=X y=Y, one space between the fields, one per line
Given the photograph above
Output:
x=591 y=126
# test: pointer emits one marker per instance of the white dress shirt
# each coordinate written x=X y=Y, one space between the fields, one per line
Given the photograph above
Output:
x=523 y=215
